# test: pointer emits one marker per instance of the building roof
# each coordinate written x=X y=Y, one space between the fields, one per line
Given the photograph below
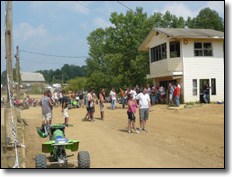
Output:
x=182 y=33
x=32 y=77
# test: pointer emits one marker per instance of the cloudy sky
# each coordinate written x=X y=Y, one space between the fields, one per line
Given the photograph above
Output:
x=61 y=28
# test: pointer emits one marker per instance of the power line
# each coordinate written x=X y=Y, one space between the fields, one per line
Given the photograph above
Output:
x=124 y=5
x=49 y=63
x=91 y=9
x=50 y=55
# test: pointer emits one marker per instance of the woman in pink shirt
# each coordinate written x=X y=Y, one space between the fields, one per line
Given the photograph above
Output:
x=131 y=114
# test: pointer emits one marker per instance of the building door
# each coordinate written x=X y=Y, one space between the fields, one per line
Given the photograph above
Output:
x=201 y=91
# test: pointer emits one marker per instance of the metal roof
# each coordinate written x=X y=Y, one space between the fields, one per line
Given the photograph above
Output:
x=190 y=33
x=32 y=77
x=182 y=33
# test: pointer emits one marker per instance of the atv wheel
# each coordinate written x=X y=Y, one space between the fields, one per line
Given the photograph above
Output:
x=83 y=159
x=40 y=161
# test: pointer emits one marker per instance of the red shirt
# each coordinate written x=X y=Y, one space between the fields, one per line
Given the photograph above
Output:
x=177 y=91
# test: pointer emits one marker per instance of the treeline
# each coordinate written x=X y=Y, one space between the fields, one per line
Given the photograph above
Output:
x=64 y=74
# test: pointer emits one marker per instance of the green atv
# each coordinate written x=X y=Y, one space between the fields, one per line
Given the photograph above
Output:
x=57 y=148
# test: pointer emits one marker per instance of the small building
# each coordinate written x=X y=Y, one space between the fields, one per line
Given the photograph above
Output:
x=191 y=57
x=32 y=78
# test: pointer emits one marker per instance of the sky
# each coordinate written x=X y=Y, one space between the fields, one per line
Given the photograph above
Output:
x=61 y=27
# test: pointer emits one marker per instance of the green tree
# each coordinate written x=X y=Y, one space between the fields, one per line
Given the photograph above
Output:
x=208 y=19
x=76 y=84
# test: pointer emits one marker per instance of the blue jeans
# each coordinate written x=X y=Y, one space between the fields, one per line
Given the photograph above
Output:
x=177 y=100
x=206 y=98
x=113 y=104
x=123 y=102
x=153 y=99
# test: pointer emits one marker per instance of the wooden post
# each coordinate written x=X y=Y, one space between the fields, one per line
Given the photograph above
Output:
x=17 y=73
x=8 y=43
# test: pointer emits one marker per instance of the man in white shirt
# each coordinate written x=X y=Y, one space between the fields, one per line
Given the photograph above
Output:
x=113 y=97
x=144 y=107
x=133 y=93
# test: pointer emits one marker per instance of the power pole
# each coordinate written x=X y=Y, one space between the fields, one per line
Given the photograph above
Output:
x=17 y=68
x=10 y=113
x=8 y=44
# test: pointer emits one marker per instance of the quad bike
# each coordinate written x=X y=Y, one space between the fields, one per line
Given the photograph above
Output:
x=57 y=148
x=73 y=103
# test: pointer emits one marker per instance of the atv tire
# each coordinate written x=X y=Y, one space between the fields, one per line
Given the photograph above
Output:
x=83 y=159
x=40 y=161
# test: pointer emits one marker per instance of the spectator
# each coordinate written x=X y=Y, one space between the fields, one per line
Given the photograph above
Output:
x=144 y=108
x=46 y=104
x=64 y=110
x=113 y=97
x=177 y=95
x=206 y=93
x=90 y=102
x=170 y=92
x=131 y=114
x=102 y=101
x=122 y=94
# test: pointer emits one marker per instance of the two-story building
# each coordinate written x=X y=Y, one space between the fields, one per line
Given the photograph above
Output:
x=191 y=57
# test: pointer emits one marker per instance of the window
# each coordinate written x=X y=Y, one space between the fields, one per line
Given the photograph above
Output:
x=174 y=49
x=158 y=53
x=203 y=49
x=213 y=86
x=194 y=86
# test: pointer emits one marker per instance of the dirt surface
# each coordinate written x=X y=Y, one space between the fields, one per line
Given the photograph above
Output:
x=187 y=138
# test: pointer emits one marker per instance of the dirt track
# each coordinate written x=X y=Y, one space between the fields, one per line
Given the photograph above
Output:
x=188 y=138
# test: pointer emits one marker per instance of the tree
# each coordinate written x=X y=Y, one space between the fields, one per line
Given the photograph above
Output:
x=76 y=84
x=114 y=49
x=207 y=19
x=66 y=73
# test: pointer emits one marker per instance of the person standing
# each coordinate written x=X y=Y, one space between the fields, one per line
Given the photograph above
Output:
x=162 y=94
x=90 y=102
x=131 y=114
x=64 y=110
x=153 y=97
x=170 y=90
x=177 y=95
x=102 y=100
x=113 y=97
x=144 y=108
x=122 y=94
x=206 y=93
x=60 y=97
x=46 y=105
x=133 y=93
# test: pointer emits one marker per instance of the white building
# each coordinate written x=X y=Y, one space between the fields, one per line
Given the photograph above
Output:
x=32 y=78
x=191 y=57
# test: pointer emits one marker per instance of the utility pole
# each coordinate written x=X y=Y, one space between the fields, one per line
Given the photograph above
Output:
x=62 y=82
x=17 y=73
x=8 y=45
x=10 y=113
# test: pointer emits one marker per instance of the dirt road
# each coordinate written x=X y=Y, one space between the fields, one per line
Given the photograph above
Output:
x=187 y=138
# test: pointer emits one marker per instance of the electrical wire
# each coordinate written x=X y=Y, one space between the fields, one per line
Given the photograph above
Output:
x=60 y=56
x=124 y=5
x=91 y=9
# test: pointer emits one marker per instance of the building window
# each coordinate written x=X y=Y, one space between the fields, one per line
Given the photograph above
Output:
x=194 y=87
x=203 y=49
x=174 y=49
x=213 y=86
x=159 y=53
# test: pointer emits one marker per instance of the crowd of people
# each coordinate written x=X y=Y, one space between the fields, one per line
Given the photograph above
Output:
x=135 y=98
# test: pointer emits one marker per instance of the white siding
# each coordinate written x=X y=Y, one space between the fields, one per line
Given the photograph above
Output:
x=203 y=68
x=166 y=67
